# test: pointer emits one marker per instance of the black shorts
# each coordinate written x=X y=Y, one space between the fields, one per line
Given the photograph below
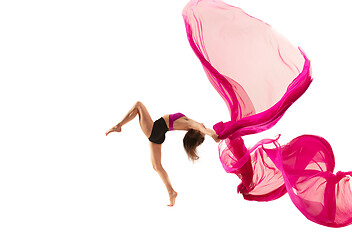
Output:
x=158 y=131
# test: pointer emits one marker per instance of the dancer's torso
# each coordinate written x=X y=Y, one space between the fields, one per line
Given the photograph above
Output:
x=177 y=121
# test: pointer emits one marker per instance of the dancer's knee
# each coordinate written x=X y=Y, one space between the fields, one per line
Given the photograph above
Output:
x=157 y=167
x=138 y=104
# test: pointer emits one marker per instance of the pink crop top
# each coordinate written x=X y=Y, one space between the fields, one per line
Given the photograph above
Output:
x=173 y=118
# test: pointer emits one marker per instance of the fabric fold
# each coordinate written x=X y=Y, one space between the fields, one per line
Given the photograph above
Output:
x=260 y=74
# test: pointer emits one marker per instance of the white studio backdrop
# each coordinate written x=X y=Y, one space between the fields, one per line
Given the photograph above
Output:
x=70 y=70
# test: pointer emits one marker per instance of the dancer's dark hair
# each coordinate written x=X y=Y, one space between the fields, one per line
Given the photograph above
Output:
x=193 y=138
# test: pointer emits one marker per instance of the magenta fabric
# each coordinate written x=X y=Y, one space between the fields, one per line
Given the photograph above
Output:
x=260 y=74
x=173 y=118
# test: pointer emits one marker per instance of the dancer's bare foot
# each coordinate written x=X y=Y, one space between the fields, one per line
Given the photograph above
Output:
x=172 y=198
x=116 y=128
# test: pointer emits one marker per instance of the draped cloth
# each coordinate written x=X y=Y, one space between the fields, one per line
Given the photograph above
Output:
x=260 y=74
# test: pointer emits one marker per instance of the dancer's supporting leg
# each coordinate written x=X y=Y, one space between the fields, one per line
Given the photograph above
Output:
x=145 y=120
x=155 y=153
x=146 y=123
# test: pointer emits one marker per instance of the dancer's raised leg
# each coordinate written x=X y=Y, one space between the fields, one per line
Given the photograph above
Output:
x=155 y=153
x=145 y=120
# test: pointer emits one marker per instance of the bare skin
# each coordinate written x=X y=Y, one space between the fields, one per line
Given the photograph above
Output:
x=185 y=123
x=146 y=124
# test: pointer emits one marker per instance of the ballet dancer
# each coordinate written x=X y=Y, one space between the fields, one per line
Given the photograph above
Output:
x=155 y=132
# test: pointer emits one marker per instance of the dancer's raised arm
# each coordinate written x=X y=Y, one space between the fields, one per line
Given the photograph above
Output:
x=206 y=131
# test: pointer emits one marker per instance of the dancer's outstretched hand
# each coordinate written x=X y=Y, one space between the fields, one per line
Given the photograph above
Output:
x=116 y=128
x=215 y=137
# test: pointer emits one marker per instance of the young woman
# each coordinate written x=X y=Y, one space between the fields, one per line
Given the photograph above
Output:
x=155 y=132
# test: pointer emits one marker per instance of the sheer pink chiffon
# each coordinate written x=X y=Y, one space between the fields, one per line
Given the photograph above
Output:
x=259 y=74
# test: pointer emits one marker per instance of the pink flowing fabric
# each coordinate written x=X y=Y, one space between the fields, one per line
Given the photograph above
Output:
x=260 y=74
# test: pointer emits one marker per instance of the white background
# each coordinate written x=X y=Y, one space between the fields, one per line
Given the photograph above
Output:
x=70 y=70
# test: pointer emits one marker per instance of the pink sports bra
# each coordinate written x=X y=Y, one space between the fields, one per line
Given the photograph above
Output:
x=173 y=118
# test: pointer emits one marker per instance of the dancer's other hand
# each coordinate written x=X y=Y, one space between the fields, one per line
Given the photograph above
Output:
x=215 y=137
